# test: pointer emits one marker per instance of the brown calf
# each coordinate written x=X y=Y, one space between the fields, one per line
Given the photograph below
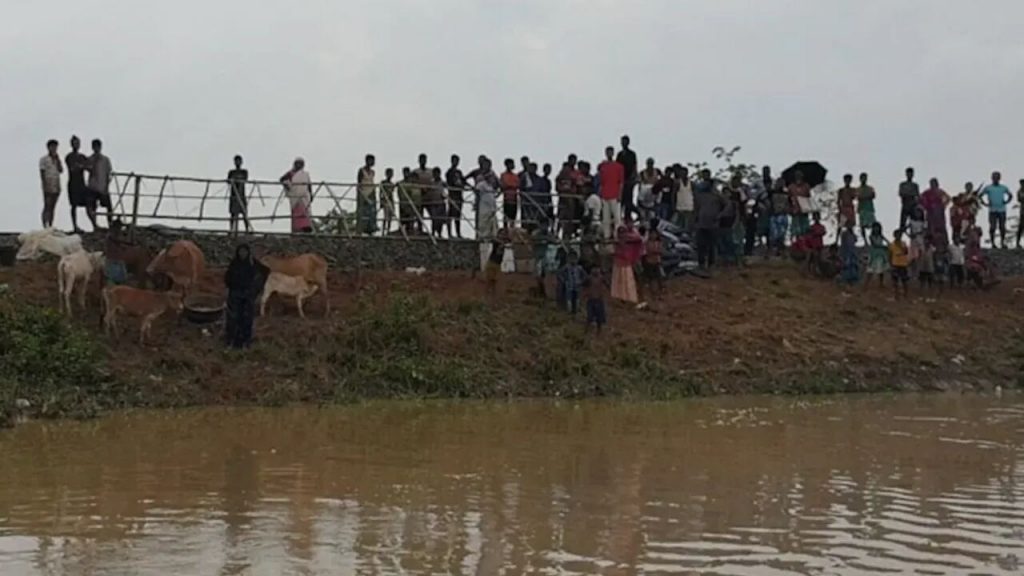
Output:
x=144 y=304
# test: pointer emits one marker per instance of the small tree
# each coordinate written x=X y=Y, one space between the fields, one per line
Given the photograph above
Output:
x=338 y=221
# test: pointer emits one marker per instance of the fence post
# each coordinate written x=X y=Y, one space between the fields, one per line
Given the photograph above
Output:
x=135 y=206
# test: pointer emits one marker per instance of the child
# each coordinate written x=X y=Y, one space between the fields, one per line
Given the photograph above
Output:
x=916 y=226
x=652 y=261
x=562 y=263
x=926 y=265
x=572 y=283
x=878 y=255
x=850 y=267
x=596 y=291
x=541 y=240
x=899 y=259
x=957 y=275
x=589 y=256
x=493 y=268
x=941 y=265
x=815 y=243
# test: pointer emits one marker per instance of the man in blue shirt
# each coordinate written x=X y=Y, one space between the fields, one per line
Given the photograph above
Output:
x=996 y=197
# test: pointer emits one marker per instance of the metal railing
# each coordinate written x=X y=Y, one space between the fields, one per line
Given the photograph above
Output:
x=143 y=199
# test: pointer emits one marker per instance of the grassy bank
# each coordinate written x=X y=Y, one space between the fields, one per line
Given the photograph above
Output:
x=761 y=330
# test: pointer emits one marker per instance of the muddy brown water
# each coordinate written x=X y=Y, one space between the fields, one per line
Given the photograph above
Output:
x=744 y=486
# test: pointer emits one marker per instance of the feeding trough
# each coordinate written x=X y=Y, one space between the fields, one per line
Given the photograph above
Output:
x=204 y=309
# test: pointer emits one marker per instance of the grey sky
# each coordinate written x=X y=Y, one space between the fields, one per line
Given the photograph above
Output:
x=180 y=87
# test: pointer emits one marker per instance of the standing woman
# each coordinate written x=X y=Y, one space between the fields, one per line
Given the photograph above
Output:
x=800 y=192
x=934 y=201
x=244 y=280
x=628 y=249
x=296 y=186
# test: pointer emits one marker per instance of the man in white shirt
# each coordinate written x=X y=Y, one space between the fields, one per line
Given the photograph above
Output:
x=50 y=169
x=684 y=199
x=101 y=172
x=592 y=209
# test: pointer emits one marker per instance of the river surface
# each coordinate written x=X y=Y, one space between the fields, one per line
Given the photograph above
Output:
x=853 y=485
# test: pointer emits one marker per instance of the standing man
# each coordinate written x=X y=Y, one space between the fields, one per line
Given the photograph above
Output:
x=527 y=182
x=50 y=169
x=567 y=188
x=684 y=200
x=100 y=172
x=510 y=193
x=1020 y=218
x=456 y=183
x=611 y=177
x=627 y=158
x=237 y=179
x=865 y=206
x=996 y=197
x=366 y=197
x=910 y=194
x=847 y=200
x=78 y=192
x=424 y=179
x=708 y=208
x=542 y=192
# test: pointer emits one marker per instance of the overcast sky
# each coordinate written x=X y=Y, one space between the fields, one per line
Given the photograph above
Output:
x=180 y=87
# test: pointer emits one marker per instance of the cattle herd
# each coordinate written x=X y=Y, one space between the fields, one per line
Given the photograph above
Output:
x=135 y=282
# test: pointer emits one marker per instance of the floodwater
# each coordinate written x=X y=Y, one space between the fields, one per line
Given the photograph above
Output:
x=855 y=485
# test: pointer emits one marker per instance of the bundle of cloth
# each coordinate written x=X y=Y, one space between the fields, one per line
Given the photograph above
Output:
x=47 y=241
x=679 y=256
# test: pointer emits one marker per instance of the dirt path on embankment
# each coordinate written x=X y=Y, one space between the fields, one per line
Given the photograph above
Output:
x=765 y=328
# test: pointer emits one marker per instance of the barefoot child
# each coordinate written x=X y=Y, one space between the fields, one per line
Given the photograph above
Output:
x=899 y=259
x=926 y=266
x=652 y=262
x=493 y=268
x=957 y=275
x=595 y=290
x=573 y=282
x=878 y=256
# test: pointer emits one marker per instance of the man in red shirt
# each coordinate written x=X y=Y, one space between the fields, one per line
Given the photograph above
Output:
x=611 y=176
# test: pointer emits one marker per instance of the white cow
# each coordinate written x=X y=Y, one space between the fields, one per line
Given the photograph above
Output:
x=287 y=285
x=75 y=268
x=48 y=240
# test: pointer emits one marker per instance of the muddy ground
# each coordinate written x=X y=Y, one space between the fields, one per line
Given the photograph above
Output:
x=765 y=329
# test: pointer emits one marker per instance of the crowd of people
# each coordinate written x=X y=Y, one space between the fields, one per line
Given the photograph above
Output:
x=621 y=210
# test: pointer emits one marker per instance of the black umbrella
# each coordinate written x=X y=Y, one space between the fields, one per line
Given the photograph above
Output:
x=814 y=173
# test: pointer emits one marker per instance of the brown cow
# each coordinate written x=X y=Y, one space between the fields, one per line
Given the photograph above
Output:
x=182 y=262
x=144 y=304
x=310 y=267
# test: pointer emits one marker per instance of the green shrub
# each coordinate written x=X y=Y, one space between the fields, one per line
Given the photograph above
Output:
x=53 y=365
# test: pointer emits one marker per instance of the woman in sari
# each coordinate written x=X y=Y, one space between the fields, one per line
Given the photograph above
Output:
x=800 y=194
x=244 y=280
x=934 y=201
x=628 y=250
x=296 y=186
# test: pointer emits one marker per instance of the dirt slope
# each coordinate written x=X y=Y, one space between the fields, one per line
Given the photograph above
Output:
x=761 y=329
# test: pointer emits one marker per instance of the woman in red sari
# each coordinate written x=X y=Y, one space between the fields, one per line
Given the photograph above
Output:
x=934 y=201
x=628 y=251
